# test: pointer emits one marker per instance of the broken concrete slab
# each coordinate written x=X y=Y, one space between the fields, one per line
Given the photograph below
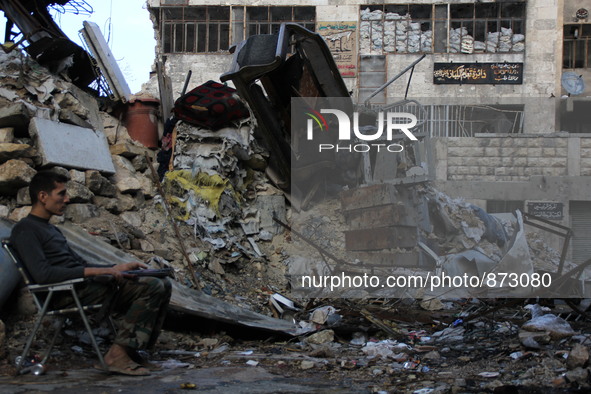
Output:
x=14 y=174
x=71 y=146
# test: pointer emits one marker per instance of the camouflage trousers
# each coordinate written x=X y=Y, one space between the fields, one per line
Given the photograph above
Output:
x=137 y=307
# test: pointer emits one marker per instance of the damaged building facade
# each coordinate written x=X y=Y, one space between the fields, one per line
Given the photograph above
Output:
x=501 y=86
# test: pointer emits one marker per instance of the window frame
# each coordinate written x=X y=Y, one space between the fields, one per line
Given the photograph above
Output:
x=574 y=44
x=442 y=22
x=182 y=32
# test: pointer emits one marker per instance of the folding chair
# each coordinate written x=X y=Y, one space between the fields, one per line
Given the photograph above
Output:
x=42 y=295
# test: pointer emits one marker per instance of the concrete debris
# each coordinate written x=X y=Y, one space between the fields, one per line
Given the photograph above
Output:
x=554 y=326
x=577 y=357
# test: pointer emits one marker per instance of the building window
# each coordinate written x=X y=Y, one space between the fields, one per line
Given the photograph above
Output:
x=577 y=46
x=443 y=28
x=195 y=29
x=267 y=19
x=199 y=29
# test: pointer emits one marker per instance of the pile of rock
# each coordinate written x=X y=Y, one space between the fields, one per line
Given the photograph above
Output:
x=390 y=32
x=116 y=204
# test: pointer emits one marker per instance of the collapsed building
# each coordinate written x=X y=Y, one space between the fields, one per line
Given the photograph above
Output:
x=228 y=181
x=231 y=254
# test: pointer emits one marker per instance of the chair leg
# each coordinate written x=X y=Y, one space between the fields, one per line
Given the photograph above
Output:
x=32 y=336
x=87 y=325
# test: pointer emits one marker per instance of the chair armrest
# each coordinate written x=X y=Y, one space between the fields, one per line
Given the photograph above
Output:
x=65 y=285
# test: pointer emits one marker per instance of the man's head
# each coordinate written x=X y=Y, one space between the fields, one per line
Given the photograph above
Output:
x=48 y=194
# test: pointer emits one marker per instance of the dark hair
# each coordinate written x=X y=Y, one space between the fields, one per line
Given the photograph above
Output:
x=44 y=181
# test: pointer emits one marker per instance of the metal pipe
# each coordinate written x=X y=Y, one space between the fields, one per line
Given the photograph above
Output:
x=384 y=86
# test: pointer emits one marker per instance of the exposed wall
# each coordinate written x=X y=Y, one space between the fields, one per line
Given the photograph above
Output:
x=540 y=61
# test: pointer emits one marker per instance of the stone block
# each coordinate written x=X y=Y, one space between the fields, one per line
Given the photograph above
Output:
x=17 y=116
x=126 y=202
x=534 y=152
x=70 y=117
x=19 y=213
x=71 y=146
x=4 y=211
x=99 y=185
x=129 y=150
x=109 y=204
x=78 y=193
x=114 y=130
x=6 y=135
x=140 y=163
x=148 y=187
x=10 y=151
x=22 y=196
x=125 y=177
x=132 y=218
x=77 y=176
x=492 y=152
x=79 y=213
x=14 y=174
x=146 y=246
x=67 y=101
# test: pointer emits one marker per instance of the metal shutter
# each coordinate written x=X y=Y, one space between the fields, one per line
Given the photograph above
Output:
x=580 y=218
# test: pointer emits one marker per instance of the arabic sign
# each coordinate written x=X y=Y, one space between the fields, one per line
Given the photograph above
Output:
x=341 y=38
x=478 y=73
x=545 y=210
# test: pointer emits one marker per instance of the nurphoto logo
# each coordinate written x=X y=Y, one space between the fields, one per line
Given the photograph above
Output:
x=390 y=123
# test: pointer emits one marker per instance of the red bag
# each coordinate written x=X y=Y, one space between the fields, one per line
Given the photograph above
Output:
x=211 y=105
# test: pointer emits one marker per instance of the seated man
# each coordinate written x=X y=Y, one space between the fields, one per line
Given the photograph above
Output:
x=138 y=306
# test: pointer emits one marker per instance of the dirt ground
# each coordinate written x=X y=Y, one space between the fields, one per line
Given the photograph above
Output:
x=480 y=355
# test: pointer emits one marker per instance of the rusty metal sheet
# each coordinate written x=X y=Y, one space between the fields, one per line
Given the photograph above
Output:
x=381 y=238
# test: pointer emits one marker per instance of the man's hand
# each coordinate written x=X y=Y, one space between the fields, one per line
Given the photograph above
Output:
x=130 y=266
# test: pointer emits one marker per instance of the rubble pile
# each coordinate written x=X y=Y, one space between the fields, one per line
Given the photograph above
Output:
x=31 y=92
x=217 y=186
x=390 y=32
